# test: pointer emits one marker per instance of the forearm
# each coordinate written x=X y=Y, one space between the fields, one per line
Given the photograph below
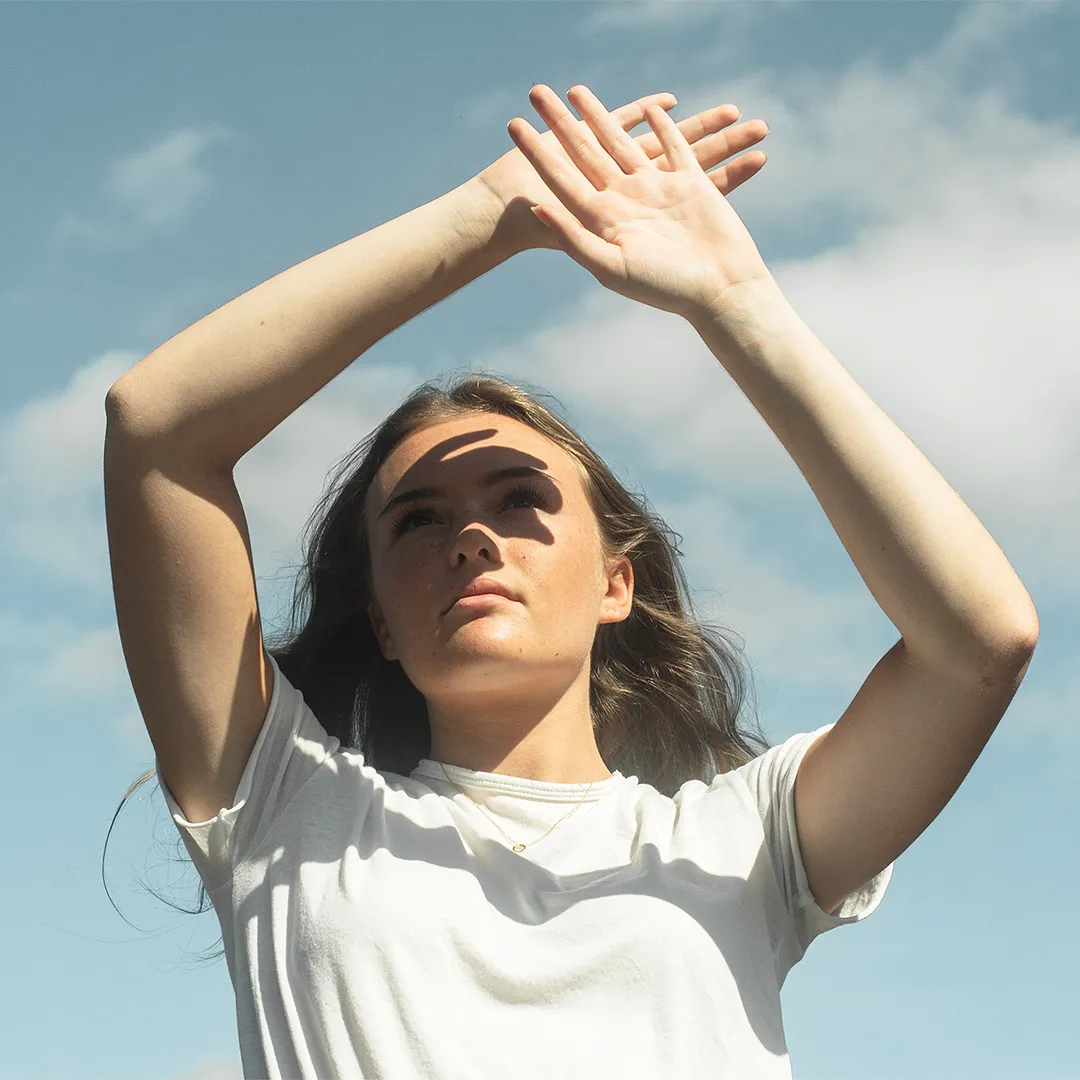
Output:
x=220 y=386
x=932 y=567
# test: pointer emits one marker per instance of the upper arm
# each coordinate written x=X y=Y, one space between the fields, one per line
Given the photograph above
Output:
x=871 y=784
x=188 y=616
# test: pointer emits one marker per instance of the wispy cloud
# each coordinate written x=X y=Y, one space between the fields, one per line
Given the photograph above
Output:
x=1045 y=709
x=148 y=190
x=979 y=28
x=159 y=184
x=649 y=14
x=215 y=1068
x=51 y=477
x=55 y=662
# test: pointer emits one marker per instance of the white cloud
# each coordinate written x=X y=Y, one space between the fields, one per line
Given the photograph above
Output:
x=146 y=190
x=52 y=490
x=52 y=660
x=1047 y=709
x=73 y=225
x=979 y=28
x=51 y=483
x=494 y=105
x=650 y=14
x=85 y=665
x=158 y=184
x=215 y=1068
x=800 y=628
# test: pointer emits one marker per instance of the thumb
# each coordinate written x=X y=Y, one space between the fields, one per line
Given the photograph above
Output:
x=578 y=242
x=546 y=219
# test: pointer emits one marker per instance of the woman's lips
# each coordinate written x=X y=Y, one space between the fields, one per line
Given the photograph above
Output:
x=480 y=600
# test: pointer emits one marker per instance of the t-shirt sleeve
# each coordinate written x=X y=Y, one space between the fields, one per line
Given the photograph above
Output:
x=770 y=778
x=291 y=748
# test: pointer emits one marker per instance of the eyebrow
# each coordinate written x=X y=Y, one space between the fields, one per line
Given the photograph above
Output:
x=491 y=478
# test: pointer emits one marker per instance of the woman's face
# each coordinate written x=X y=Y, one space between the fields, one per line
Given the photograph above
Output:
x=542 y=544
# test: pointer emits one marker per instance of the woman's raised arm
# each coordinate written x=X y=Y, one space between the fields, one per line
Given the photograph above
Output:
x=216 y=389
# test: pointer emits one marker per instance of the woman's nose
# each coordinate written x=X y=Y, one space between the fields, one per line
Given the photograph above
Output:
x=474 y=540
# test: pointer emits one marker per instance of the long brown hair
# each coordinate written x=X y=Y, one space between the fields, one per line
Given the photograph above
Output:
x=666 y=691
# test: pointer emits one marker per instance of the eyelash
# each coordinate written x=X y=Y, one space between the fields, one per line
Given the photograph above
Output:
x=528 y=490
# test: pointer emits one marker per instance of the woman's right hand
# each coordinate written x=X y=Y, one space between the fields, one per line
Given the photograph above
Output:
x=517 y=186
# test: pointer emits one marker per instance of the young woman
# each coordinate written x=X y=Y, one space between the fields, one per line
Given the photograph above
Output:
x=490 y=812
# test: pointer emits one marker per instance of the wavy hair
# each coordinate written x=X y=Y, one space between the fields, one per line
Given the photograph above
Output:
x=666 y=688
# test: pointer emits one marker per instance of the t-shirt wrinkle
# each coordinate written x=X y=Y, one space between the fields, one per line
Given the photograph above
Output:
x=535 y=790
x=372 y=930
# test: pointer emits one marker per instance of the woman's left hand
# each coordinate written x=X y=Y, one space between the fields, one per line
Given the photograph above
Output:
x=668 y=239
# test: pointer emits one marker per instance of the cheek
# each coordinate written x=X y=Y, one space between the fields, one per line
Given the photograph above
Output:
x=407 y=576
x=394 y=579
x=570 y=564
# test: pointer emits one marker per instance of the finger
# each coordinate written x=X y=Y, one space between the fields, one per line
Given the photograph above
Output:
x=728 y=177
x=671 y=139
x=577 y=139
x=633 y=113
x=623 y=150
x=715 y=148
x=560 y=174
x=696 y=130
x=591 y=251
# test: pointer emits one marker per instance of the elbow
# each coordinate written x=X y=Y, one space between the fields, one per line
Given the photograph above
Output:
x=1009 y=659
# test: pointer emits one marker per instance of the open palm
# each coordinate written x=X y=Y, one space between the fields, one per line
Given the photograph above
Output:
x=518 y=185
x=658 y=231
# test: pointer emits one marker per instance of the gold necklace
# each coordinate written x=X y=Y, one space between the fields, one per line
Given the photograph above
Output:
x=517 y=847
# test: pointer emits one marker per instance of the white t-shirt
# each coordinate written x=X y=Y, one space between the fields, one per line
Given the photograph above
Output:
x=380 y=926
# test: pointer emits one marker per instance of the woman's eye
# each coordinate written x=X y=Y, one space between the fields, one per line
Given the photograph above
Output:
x=402 y=523
x=528 y=494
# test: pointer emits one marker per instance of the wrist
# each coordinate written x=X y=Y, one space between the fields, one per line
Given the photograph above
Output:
x=735 y=305
x=746 y=322
x=485 y=223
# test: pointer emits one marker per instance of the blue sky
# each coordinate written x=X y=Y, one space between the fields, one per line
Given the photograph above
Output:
x=919 y=208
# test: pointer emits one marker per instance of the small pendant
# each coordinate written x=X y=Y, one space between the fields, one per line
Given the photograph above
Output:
x=519 y=847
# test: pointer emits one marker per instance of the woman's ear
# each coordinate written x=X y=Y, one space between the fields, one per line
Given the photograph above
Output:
x=381 y=631
x=619 y=598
